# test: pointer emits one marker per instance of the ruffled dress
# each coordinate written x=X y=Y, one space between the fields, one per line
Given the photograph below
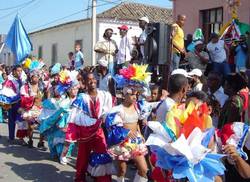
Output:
x=53 y=121
x=30 y=109
x=9 y=94
x=121 y=147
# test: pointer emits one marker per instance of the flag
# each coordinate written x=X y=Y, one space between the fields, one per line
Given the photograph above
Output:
x=18 y=41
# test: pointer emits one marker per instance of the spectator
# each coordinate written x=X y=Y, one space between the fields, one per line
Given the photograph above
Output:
x=241 y=50
x=218 y=54
x=106 y=82
x=107 y=48
x=125 y=48
x=178 y=41
x=188 y=41
x=233 y=109
x=196 y=75
x=178 y=86
x=143 y=23
x=71 y=61
x=79 y=58
x=215 y=88
x=199 y=58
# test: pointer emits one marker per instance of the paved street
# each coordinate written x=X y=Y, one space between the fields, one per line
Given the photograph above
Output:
x=19 y=163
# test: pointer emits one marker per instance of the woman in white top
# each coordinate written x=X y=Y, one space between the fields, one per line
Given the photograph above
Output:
x=124 y=136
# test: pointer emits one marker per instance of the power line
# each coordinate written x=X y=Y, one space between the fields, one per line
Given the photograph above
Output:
x=59 y=19
x=17 y=6
x=69 y=15
x=15 y=11
x=32 y=8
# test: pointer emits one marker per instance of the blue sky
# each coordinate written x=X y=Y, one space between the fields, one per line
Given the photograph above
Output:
x=39 y=14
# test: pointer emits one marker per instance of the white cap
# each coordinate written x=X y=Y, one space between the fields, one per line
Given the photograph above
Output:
x=195 y=72
x=180 y=72
x=198 y=42
x=145 y=18
x=103 y=62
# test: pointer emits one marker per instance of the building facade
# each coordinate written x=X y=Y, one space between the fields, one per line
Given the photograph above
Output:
x=54 y=43
x=6 y=56
x=210 y=15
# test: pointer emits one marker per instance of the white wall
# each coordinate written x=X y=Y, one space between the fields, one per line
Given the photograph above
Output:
x=65 y=37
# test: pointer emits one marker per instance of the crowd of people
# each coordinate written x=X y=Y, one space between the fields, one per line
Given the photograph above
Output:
x=112 y=112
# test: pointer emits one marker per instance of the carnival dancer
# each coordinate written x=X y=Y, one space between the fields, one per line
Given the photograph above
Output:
x=181 y=144
x=30 y=108
x=10 y=98
x=55 y=114
x=72 y=92
x=123 y=132
x=86 y=119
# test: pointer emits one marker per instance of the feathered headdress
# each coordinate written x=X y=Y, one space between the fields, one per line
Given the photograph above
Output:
x=33 y=64
x=67 y=79
x=133 y=75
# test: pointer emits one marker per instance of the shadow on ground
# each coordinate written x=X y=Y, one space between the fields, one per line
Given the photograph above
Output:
x=40 y=172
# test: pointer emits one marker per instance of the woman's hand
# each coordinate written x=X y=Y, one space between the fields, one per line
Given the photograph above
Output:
x=231 y=151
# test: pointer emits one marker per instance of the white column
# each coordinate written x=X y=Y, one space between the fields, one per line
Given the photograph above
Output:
x=93 y=31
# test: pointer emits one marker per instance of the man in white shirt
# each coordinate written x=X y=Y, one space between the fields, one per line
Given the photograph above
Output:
x=143 y=23
x=178 y=86
x=107 y=49
x=218 y=54
x=125 y=48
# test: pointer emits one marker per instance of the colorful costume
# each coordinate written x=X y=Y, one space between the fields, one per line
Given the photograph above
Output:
x=181 y=145
x=30 y=109
x=238 y=135
x=55 y=114
x=9 y=99
x=53 y=119
x=120 y=146
x=85 y=128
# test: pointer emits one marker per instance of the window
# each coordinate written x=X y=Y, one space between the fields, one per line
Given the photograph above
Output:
x=5 y=58
x=78 y=42
x=40 y=52
x=9 y=58
x=212 y=21
x=54 y=54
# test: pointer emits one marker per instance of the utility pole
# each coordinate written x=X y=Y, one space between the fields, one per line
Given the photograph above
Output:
x=93 y=31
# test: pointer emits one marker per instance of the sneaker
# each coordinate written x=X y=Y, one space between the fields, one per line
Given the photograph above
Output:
x=63 y=160
x=41 y=146
x=30 y=143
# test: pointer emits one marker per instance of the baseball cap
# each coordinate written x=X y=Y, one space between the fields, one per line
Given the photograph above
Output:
x=123 y=27
x=180 y=72
x=145 y=18
x=195 y=72
x=198 y=42
x=103 y=62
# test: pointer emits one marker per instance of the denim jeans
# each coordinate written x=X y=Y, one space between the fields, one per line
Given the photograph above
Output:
x=175 y=61
x=111 y=68
x=222 y=68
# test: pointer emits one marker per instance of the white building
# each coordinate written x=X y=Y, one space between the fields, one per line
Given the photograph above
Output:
x=6 y=56
x=54 y=43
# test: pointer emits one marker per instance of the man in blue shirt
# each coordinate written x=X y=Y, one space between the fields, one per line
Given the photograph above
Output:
x=79 y=58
